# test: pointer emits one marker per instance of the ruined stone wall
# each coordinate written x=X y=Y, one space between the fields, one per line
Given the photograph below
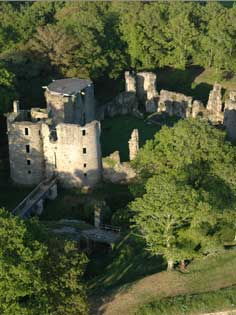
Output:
x=124 y=103
x=145 y=81
x=214 y=104
x=116 y=172
x=38 y=114
x=143 y=85
x=75 y=109
x=175 y=104
x=56 y=104
x=130 y=82
x=75 y=154
x=230 y=117
x=133 y=144
x=25 y=152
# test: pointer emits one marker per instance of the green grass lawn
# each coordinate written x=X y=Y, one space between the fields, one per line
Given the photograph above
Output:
x=224 y=299
x=194 y=81
x=128 y=262
x=208 y=274
x=116 y=133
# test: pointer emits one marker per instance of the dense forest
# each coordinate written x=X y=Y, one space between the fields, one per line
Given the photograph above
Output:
x=45 y=40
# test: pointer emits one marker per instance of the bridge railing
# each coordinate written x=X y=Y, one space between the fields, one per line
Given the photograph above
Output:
x=50 y=182
x=110 y=228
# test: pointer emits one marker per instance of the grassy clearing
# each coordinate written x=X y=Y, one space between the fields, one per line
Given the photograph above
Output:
x=195 y=81
x=224 y=299
x=116 y=133
x=209 y=76
x=128 y=262
x=206 y=275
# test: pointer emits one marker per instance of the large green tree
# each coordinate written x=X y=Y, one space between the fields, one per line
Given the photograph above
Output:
x=175 y=220
x=186 y=174
x=95 y=28
x=38 y=273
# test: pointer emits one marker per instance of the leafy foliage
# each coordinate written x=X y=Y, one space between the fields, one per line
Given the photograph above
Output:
x=101 y=39
x=7 y=92
x=186 y=190
x=39 y=274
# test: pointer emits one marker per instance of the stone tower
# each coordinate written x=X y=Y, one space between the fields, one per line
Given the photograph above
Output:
x=62 y=140
x=133 y=144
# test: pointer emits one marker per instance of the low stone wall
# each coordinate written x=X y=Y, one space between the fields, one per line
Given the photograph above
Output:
x=124 y=103
x=116 y=172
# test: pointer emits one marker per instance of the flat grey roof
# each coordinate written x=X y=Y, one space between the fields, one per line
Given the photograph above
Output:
x=68 y=86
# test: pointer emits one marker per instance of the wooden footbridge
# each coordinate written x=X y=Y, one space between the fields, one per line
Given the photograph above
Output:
x=33 y=203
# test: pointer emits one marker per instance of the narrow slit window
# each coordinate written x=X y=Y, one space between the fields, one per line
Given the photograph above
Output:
x=28 y=162
x=26 y=131
x=84 y=150
x=83 y=132
x=27 y=148
x=85 y=174
x=29 y=172
x=85 y=165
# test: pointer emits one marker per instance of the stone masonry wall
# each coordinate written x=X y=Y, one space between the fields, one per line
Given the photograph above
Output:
x=76 y=155
x=26 y=152
x=143 y=85
x=175 y=104
x=214 y=104
x=230 y=117
x=77 y=109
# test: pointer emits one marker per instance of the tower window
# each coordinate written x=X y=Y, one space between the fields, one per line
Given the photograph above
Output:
x=83 y=132
x=85 y=165
x=27 y=148
x=84 y=151
x=26 y=131
x=29 y=172
x=28 y=162
x=85 y=174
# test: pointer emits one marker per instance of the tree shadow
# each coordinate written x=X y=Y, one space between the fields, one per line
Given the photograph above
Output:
x=182 y=81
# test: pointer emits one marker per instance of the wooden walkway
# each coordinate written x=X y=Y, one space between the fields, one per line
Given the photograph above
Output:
x=35 y=199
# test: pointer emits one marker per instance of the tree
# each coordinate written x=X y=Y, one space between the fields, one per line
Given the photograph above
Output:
x=162 y=213
x=187 y=190
x=182 y=35
x=95 y=28
x=191 y=149
x=7 y=91
x=39 y=274
x=55 y=44
x=217 y=48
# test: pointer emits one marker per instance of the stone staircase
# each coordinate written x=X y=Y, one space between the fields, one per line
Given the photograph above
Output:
x=33 y=203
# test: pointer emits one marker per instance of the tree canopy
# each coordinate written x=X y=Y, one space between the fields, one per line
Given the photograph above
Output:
x=103 y=39
x=186 y=190
x=39 y=274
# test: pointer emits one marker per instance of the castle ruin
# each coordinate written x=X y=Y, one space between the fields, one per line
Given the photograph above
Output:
x=62 y=140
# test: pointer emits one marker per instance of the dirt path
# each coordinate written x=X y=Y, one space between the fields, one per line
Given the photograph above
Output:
x=126 y=300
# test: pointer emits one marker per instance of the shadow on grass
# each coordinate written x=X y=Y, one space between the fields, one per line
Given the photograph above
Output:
x=127 y=263
x=182 y=81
